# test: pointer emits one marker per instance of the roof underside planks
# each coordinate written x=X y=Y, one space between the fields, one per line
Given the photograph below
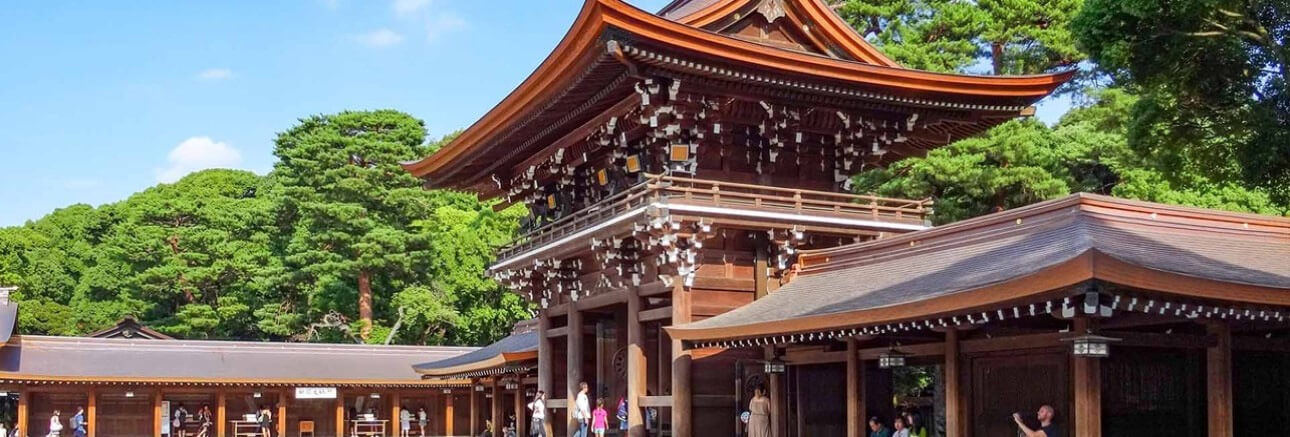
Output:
x=510 y=350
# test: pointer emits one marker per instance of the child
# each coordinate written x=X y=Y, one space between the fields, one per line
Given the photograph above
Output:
x=599 y=419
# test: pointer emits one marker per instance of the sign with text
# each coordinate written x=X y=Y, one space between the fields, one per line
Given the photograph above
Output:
x=315 y=392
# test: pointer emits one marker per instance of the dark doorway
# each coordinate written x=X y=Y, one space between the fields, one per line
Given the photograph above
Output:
x=818 y=405
x=1262 y=393
x=1018 y=382
x=1154 y=391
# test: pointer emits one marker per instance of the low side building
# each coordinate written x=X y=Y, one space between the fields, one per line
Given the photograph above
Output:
x=502 y=375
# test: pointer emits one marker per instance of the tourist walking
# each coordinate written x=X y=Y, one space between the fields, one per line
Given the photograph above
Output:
x=582 y=410
x=537 y=413
x=422 y=419
x=177 y=421
x=600 y=419
x=265 y=419
x=78 y=422
x=915 y=422
x=1046 y=426
x=877 y=428
x=204 y=420
x=759 y=414
x=621 y=415
x=899 y=425
x=55 y=425
x=405 y=422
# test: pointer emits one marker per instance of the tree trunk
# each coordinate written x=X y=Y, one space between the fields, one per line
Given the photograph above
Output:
x=996 y=57
x=365 y=305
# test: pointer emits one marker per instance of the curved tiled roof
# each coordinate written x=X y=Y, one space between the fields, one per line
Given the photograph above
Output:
x=1008 y=256
x=516 y=347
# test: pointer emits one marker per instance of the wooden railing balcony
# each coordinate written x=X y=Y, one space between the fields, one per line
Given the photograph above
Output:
x=716 y=195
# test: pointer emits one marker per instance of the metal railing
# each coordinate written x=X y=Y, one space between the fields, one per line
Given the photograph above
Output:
x=726 y=195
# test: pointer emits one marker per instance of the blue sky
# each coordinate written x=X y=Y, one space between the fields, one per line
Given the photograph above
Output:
x=103 y=99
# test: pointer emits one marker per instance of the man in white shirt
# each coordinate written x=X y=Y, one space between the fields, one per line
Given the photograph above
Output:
x=537 y=408
x=582 y=410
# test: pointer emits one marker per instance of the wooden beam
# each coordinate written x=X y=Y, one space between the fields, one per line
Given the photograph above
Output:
x=497 y=410
x=521 y=416
x=92 y=413
x=556 y=333
x=855 y=391
x=474 y=407
x=156 y=414
x=282 y=413
x=955 y=413
x=656 y=314
x=637 y=367
x=24 y=410
x=1087 y=383
x=1218 y=379
x=339 y=414
x=682 y=407
x=546 y=366
x=221 y=413
x=573 y=366
x=656 y=401
x=396 y=413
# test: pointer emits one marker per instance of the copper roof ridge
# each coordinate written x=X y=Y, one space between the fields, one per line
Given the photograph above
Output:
x=236 y=344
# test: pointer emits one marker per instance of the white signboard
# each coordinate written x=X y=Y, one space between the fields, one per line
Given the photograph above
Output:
x=315 y=392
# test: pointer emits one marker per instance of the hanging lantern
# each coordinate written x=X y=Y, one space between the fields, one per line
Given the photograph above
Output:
x=447 y=391
x=374 y=396
x=1091 y=346
x=892 y=358
x=776 y=366
x=479 y=387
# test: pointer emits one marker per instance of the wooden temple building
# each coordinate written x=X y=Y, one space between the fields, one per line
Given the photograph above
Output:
x=676 y=166
x=131 y=379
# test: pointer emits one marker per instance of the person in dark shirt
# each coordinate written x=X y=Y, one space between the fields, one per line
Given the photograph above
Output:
x=877 y=428
x=1046 y=426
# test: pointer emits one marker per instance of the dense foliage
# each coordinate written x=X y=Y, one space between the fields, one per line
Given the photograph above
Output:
x=231 y=254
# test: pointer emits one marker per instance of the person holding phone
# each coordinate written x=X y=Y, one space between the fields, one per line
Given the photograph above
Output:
x=1046 y=426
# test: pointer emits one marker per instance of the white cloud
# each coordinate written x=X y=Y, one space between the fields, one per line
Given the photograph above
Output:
x=405 y=8
x=379 y=38
x=198 y=153
x=215 y=74
x=442 y=23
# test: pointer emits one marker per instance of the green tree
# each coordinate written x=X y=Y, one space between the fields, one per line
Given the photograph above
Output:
x=1213 y=75
x=352 y=204
x=1011 y=36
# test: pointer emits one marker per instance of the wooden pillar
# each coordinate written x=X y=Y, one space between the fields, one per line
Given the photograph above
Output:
x=156 y=413
x=855 y=391
x=682 y=407
x=1218 y=380
x=447 y=416
x=573 y=364
x=778 y=420
x=395 y=410
x=1087 y=382
x=340 y=414
x=221 y=413
x=474 y=407
x=955 y=413
x=546 y=367
x=664 y=351
x=92 y=413
x=24 y=399
x=282 y=413
x=521 y=416
x=498 y=409
x=637 y=368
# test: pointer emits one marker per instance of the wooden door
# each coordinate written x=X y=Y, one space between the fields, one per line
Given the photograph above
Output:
x=1002 y=384
x=820 y=399
x=1154 y=391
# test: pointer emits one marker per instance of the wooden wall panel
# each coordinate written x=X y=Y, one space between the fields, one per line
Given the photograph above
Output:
x=120 y=416
x=1021 y=382
x=1153 y=391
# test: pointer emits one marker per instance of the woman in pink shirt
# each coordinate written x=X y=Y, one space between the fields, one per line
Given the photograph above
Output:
x=599 y=419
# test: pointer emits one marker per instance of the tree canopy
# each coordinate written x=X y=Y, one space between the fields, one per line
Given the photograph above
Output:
x=231 y=254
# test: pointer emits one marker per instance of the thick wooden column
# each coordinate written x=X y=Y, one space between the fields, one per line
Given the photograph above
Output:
x=682 y=402
x=498 y=410
x=573 y=365
x=1087 y=384
x=221 y=413
x=24 y=400
x=546 y=366
x=775 y=391
x=955 y=413
x=340 y=414
x=447 y=414
x=521 y=414
x=395 y=410
x=1218 y=380
x=92 y=413
x=474 y=407
x=637 y=368
x=156 y=414
x=282 y=413
x=855 y=391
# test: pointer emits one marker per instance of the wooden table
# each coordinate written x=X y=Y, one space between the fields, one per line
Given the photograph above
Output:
x=245 y=428
x=370 y=428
